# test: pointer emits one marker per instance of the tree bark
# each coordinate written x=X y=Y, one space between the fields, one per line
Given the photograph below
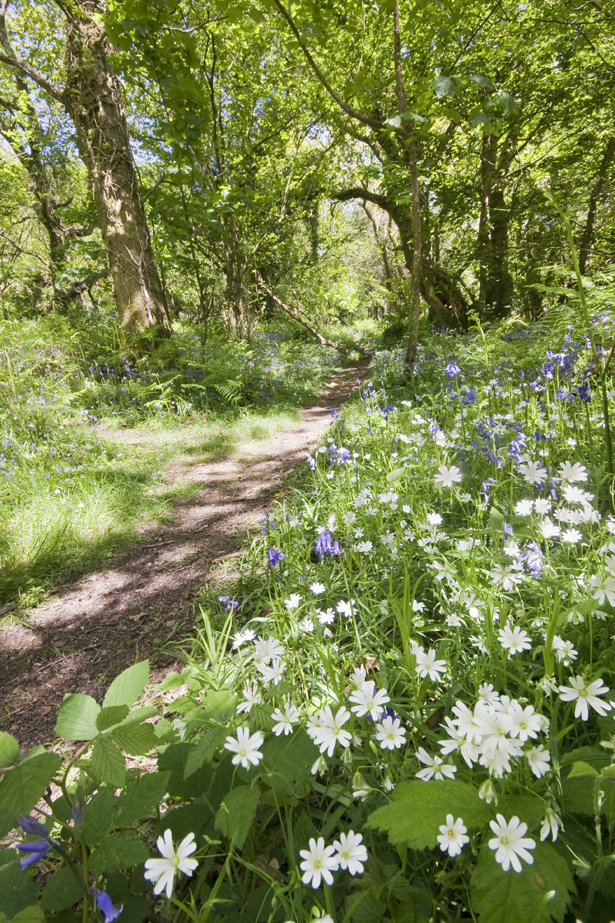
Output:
x=93 y=99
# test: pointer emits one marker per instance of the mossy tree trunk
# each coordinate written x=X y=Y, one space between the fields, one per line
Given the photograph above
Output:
x=93 y=98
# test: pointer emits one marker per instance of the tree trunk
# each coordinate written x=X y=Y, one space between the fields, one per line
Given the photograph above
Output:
x=92 y=96
x=588 y=231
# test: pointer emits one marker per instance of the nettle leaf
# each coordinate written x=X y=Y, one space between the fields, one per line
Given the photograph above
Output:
x=136 y=739
x=9 y=750
x=77 y=717
x=98 y=816
x=109 y=717
x=119 y=851
x=141 y=798
x=419 y=809
x=237 y=812
x=204 y=750
x=23 y=786
x=107 y=763
x=539 y=892
x=128 y=686
x=61 y=891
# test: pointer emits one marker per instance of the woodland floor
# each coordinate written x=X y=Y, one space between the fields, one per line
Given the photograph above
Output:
x=143 y=601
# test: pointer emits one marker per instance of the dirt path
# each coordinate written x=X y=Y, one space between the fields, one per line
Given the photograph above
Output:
x=102 y=622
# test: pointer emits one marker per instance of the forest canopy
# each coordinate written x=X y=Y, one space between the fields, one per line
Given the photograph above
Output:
x=219 y=162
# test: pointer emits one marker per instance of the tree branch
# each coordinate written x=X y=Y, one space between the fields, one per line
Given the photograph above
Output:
x=33 y=75
x=353 y=113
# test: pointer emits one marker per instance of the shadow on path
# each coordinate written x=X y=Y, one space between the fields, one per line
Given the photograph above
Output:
x=102 y=622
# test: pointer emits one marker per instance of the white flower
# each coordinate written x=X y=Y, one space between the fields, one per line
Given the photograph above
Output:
x=524 y=722
x=350 y=852
x=251 y=696
x=319 y=862
x=346 y=608
x=325 y=618
x=453 y=835
x=364 y=547
x=274 y=673
x=369 y=700
x=551 y=824
x=453 y=621
x=293 y=601
x=542 y=506
x=241 y=637
x=510 y=843
x=585 y=695
x=434 y=519
x=331 y=730
x=572 y=473
x=285 y=719
x=576 y=495
x=448 y=476
x=245 y=747
x=514 y=639
x=538 y=758
x=564 y=650
x=436 y=767
x=427 y=665
x=604 y=588
x=162 y=871
x=508 y=577
x=391 y=734
x=571 y=536
x=548 y=529
x=533 y=472
x=265 y=650
x=317 y=588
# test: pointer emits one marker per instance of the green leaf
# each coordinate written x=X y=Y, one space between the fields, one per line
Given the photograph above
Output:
x=288 y=760
x=128 y=686
x=98 y=816
x=34 y=914
x=16 y=890
x=220 y=706
x=538 y=893
x=581 y=769
x=204 y=750
x=190 y=818
x=236 y=813
x=119 y=851
x=108 y=763
x=173 y=760
x=396 y=475
x=419 y=808
x=135 y=739
x=23 y=786
x=109 y=717
x=9 y=750
x=77 y=717
x=141 y=798
x=529 y=808
x=61 y=891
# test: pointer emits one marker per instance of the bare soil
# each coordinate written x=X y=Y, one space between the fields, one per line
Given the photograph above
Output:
x=143 y=600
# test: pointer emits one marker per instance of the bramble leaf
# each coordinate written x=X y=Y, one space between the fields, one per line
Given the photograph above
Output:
x=108 y=763
x=419 y=808
x=77 y=717
x=128 y=686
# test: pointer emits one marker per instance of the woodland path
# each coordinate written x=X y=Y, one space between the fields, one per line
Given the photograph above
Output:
x=142 y=601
